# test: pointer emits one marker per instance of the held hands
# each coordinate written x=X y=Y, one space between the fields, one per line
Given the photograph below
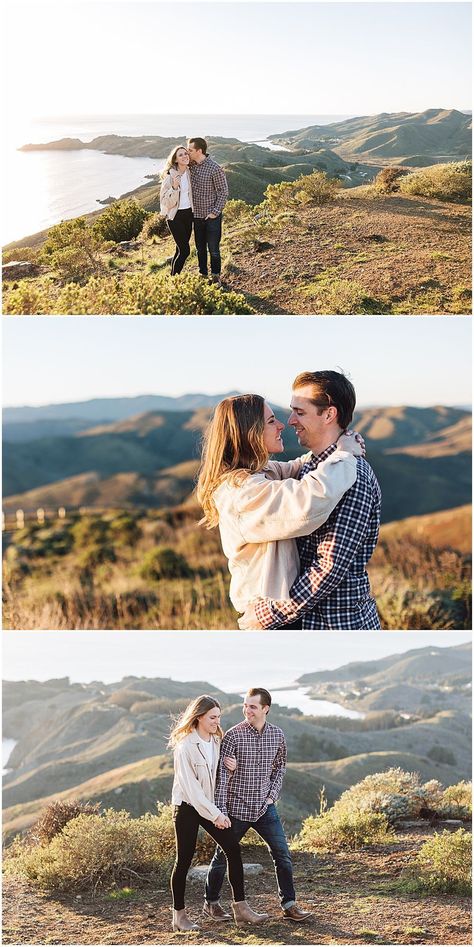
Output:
x=222 y=822
x=249 y=620
x=230 y=763
x=352 y=442
x=211 y=216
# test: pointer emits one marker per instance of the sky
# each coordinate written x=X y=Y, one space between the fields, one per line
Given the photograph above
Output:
x=229 y=660
x=82 y=58
x=421 y=361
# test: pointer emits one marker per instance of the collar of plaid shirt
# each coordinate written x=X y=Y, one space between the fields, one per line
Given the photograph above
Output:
x=318 y=458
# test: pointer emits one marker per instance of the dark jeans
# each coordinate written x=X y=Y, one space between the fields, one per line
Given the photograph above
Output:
x=271 y=831
x=181 y=228
x=186 y=823
x=207 y=234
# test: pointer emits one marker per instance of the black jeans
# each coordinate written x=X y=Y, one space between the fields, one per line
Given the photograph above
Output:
x=207 y=234
x=271 y=831
x=186 y=822
x=181 y=228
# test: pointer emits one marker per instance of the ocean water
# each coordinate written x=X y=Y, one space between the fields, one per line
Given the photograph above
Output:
x=43 y=187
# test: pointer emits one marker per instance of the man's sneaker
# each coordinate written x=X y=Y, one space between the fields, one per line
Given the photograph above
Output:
x=214 y=910
x=297 y=914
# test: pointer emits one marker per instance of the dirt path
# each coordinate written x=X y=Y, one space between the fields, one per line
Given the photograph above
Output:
x=352 y=896
x=407 y=254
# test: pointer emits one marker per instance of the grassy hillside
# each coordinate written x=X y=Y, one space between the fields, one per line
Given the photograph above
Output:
x=405 y=138
x=150 y=460
x=108 y=743
x=292 y=244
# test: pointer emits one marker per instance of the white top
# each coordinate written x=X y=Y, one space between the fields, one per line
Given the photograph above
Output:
x=184 y=199
x=209 y=751
x=260 y=519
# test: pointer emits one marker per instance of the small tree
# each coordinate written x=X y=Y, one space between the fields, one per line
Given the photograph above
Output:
x=122 y=220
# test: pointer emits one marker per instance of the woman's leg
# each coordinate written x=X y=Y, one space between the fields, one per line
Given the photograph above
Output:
x=231 y=848
x=186 y=824
x=180 y=227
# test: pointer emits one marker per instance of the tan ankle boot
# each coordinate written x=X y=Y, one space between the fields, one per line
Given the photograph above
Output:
x=243 y=914
x=181 y=921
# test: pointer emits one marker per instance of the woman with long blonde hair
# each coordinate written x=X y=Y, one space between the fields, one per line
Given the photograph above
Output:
x=196 y=739
x=176 y=204
x=259 y=505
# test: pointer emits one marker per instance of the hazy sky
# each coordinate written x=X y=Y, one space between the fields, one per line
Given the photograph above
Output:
x=223 y=57
x=230 y=660
x=422 y=360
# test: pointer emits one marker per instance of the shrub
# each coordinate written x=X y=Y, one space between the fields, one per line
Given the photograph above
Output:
x=340 y=296
x=237 y=212
x=281 y=196
x=56 y=816
x=164 y=563
x=456 y=801
x=395 y=793
x=335 y=830
x=155 y=226
x=388 y=179
x=89 y=529
x=441 y=754
x=444 y=863
x=145 y=294
x=122 y=220
x=446 y=182
x=125 y=530
x=95 y=555
x=317 y=188
x=94 y=850
x=71 y=249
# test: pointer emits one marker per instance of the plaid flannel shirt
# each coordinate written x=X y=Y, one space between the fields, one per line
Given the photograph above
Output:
x=261 y=761
x=209 y=188
x=333 y=590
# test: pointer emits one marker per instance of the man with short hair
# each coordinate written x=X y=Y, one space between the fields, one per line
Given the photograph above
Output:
x=333 y=589
x=248 y=796
x=210 y=193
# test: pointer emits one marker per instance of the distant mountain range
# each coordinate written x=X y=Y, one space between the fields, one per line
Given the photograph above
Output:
x=109 y=742
x=412 y=139
x=52 y=457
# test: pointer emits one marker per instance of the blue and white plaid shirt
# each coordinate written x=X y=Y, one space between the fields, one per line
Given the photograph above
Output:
x=261 y=762
x=333 y=590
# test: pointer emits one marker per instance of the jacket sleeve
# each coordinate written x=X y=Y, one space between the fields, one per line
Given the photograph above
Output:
x=169 y=196
x=191 y=786
x=282 y=469
x=269 y=510
x=219 y=181
x=223 y=775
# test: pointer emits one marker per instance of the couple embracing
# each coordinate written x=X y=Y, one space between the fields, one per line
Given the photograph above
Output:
x=297 y=535
x=227 y=785
x=193 y=192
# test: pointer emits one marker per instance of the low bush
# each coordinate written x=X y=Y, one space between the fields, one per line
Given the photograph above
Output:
x=456 y=801
x=137 y=294
x=122 y=220
x=72 y=250
x=164 y=563
x=155 y=226
x=444 y=864
x=340 y=296
x=94 y=850
x=388 y=179
x=446 y=182
x=56 y=816
x=125 y=530
x=337 y=830
x=317 y=188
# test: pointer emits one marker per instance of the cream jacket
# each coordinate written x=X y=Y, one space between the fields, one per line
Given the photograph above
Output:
x=260 y=518
x=194 y=781
x=169 y=195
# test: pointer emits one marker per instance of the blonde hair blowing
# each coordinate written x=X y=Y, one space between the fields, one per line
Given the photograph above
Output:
x=171 y=161
x=233 y=446
x=188 y=721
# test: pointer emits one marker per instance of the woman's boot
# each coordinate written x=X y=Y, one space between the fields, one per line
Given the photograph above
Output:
x=243 y=914
x=181 y=921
